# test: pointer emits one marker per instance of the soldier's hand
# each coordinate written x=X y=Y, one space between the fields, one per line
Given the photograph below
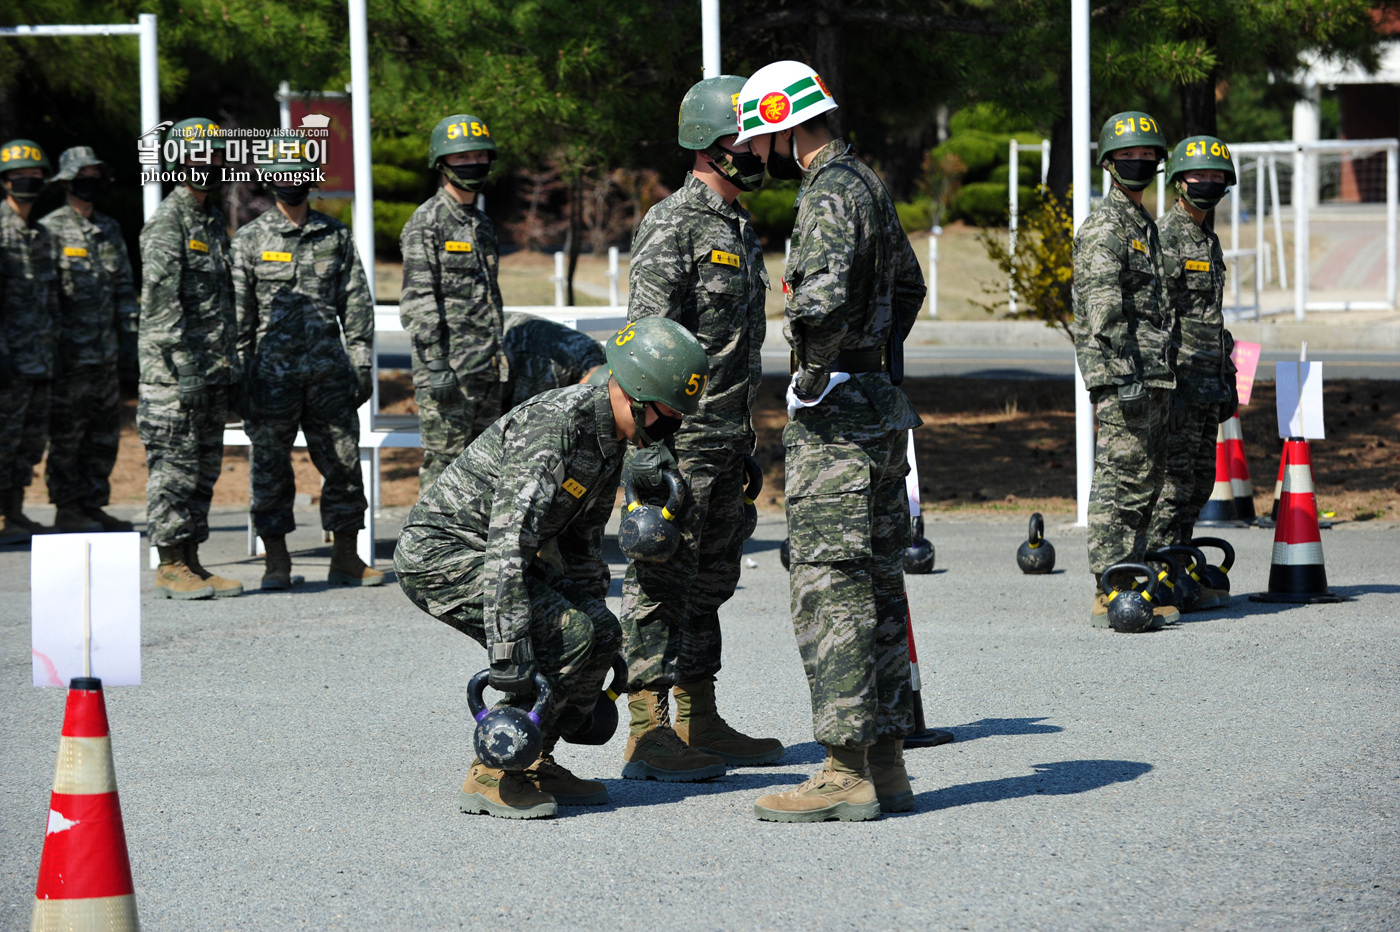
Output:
x=7 y=371
x=1133 y=399
x=1176 y=416
x=649 y=465
x=194 y=394
x=442 y=382
x=510 y=677
x=808 y=385
x=364 y=388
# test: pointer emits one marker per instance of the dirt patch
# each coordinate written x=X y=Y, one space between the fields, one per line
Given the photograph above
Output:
x=986 y=447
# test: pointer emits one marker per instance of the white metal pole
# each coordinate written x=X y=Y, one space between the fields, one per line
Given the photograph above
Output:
x=150 y=100
x=613 y=299
x=559 y=279
x=1161 y=192
x=1107 y=183
x=1079 y=121
x=1276 y=202
x=933 y=272
x=1301 y=183
x=1013 y=202
x=363 y=208
x=1044 y=161
x=787 y=248
x=284 y=105
x=1261 y=263
x=1235 y=243
x=709 y=33
x=1392 y=196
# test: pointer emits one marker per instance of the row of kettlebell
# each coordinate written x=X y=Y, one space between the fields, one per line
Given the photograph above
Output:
x=1135 y=589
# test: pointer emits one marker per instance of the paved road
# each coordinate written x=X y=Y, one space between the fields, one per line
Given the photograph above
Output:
x=293 y=762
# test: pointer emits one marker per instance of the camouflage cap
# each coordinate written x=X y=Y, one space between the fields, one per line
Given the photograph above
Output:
x=76 y=159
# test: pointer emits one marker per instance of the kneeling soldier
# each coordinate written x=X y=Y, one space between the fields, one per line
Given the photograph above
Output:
x=469 y=552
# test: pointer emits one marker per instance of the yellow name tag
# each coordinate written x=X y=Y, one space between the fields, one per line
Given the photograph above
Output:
x=277 y=257
x=724 y=258
x=1193 y=265
x=197 y=246
x=452 y=246
x=574 y=489
x=76 y=252
x=1137 y=244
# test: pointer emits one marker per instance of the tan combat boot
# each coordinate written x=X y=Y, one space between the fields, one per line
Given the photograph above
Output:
x=347 y=569
x=892 y=789
x=700 y=725
x=175 y=580
x=549 y=776
x=506 y=794
x=655 y=752
x=223 y=588
x=11 y=533
x=841 y=790
x=1213 y=598
x=15 y=516
x=108 y=522
x=70 y=519
x=277 y=572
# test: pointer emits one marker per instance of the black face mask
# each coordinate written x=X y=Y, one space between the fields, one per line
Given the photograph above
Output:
x=469 y=177
x=292 y=195
x=201 y=179
x=86 y=188
x=744 y=170
x=663 y=427
x=1133 y=174
x=783 y=167
x=25 y=188
x=1202 y=195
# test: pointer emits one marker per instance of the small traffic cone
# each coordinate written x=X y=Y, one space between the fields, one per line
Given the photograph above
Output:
x=922 y=736
x=1297 y=573
x=84 y=873
x=1240 y=485
x=1220 y=510
x=1272 y=519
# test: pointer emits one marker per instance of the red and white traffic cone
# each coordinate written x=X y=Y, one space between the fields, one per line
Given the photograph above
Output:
x=1220 y=510
x=1240 y=485
x=1297 y=573
x=1272 y=519
x=84 y=873
x=922 y=736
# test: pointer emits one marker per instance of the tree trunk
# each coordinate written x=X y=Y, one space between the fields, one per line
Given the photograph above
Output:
x=1061 y=174
x=1198 y=107
x=829 y=60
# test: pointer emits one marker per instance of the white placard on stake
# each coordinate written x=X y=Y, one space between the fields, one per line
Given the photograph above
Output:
x=66 y=615
x=1299 y=387
x=911 y=481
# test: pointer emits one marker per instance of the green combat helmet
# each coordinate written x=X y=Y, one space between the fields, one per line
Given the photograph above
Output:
x=23 y=153
x=289 y=154
x=198 y=128
x=461 y=132
x=1201 y=153
x=709 y=111
x=1125 y=131
x=656 y=359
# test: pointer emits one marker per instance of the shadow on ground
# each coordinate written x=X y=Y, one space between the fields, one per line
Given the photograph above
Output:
x=1062 y=778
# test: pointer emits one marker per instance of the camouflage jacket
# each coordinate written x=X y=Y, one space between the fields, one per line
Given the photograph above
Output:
x=451 y=304
x=186 y=293
x=548 y=469
x=851 y=279
x=28 y=296
x=698 y=261
x=96 y=292
x=545 y=355
x=296 y=288
x=1195 y=291
x=1121 y=324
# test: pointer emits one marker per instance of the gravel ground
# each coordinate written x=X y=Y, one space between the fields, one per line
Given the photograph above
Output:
x=293 y=761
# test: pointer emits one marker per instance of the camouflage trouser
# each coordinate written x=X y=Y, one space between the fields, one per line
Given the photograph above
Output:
x=670 y=611
x=848 y=525
x=184 y=454
x=447 y=429
x=1129 y=465
x=24 y=429
x=574 y=635
x=1190 y=476
x=326 y=415
x=84 y=429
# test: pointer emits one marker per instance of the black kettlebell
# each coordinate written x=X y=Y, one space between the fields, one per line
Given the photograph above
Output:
x=602 y=725
x=507 y=738
x=918 y=556
x=1188 y=582
x=1215 y=577
x=753 y=484
x=785 y=554
x=1130 y=608
x=1167 y=577
x=648 y=532
x=1036 y=555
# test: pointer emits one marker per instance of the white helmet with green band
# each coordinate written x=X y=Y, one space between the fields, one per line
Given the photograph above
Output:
x=779 y=96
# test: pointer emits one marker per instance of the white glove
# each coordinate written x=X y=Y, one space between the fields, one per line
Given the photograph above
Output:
x=793 y=402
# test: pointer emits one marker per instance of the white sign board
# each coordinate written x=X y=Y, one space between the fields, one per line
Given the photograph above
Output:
x=1299 y=387
x=63 y=611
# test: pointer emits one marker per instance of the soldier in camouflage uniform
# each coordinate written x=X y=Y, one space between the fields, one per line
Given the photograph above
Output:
x=854 y=289
x=543 y=355
x=1201 y=170
x=451 y=305
x=469 y=551
x=28 y=330
x=97 y=307
x=1122 y=330
x=697 y=260
x=188 y=365
x=299 y=290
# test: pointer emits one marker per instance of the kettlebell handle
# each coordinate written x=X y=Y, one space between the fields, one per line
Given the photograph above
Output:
x=476 y=696
x=1037 y=530
x=675 y=497
x=1137 y=569
x=1198 y=559
x=753 y=480
x=1222 y=545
